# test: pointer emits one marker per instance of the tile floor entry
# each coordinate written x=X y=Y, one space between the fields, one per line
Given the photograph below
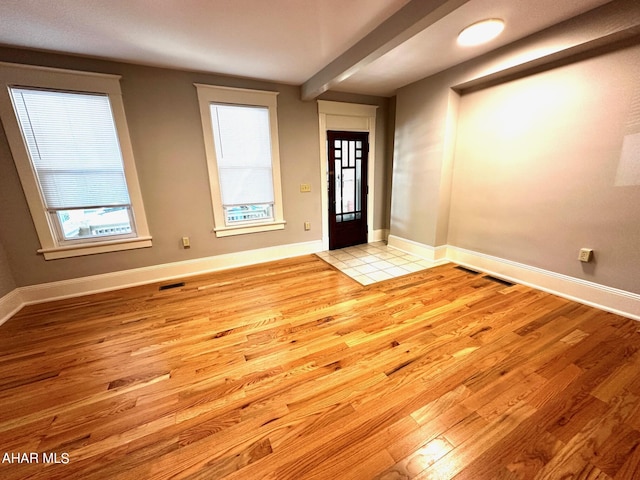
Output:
x=373 y=262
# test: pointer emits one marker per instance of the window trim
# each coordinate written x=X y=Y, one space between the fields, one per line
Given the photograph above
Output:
x=208 y=94
x=30 y=76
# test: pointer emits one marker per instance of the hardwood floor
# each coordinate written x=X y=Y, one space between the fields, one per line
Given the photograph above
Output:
x=291 y=370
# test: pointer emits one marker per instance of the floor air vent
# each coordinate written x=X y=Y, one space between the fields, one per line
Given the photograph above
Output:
x=499 y=280
x=172 y=285
x=468 y=270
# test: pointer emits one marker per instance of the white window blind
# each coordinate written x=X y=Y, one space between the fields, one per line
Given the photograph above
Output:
x=72 y=141
x=243 y=150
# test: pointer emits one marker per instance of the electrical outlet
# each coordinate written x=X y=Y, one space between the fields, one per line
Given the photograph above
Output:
x=585 y=255
x=186 y=243
x=307 y=225
x=305 y=187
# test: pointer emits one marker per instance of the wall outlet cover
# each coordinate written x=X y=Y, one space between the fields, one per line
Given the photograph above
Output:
x=585 y=255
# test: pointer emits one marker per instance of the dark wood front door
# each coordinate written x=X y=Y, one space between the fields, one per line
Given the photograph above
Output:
x=348 y=156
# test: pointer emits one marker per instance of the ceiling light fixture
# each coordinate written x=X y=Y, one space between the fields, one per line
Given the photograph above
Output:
x=481 y=32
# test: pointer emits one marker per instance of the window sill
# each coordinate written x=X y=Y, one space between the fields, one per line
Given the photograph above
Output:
x=95 y=247
x=253 y=228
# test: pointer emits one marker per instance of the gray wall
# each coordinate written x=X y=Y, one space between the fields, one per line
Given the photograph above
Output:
x=7 y=284
x=421 y=165
x=460 y=179
x=536 y=170
x=164 y=123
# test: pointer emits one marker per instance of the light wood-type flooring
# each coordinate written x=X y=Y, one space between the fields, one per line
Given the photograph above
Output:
x=292 y=370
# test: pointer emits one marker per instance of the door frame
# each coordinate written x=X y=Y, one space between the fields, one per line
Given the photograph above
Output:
x=348 y=117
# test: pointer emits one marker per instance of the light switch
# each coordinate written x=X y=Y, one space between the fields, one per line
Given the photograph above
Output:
x=305 y=187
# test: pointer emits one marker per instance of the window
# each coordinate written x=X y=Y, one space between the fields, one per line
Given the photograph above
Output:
x=241 y=142
x=73 y=146
x=68 y=137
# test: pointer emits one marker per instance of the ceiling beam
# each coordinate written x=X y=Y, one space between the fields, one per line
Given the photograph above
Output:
x=604 y=28
x=410 y=20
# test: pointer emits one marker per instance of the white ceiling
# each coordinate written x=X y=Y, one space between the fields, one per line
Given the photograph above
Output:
x=287 y=41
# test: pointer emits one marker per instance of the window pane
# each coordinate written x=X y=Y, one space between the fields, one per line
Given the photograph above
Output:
x=345 y=157
x=242 y=135
x=242 y=139
x=243 y=186
x=338 y=187
x=352 y=153
x=348 y=190
x=72 y=142
x=246 y=213
x=92 y=223
x=358 y=193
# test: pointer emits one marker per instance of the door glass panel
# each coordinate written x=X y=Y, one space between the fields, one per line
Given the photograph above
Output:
x=347 y=217
x=338 y=177
x=345 y=156
x=352 y=153
x=358 y=192
x=348 y=190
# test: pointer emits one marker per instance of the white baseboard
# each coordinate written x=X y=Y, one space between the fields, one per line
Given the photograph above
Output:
x=605 y=298
x=380 y=235
x=45 y=292
x=438 y=255
x=593 y=294
x=10 y=304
